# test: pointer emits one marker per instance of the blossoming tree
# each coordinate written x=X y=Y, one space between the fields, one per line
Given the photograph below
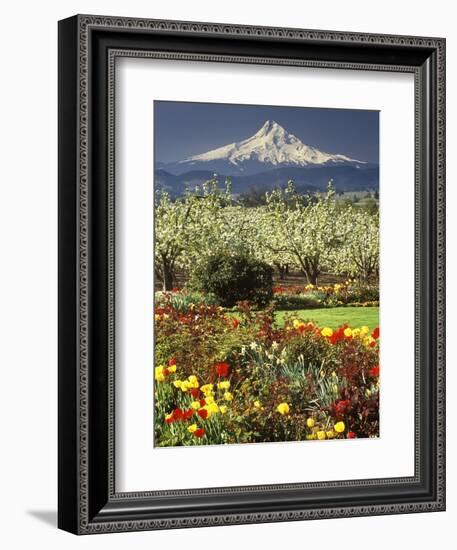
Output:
x=308 y=229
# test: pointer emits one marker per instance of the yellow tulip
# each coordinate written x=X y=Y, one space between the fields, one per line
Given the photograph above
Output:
x=327 y=331
x=283 y=408
x=158 y=372
x=339 y=427
x=348 y=332
x=192 y=381
x=320 y=435
x=192 y=428
x=213 y=408
x=310 y=422
x=228 y=396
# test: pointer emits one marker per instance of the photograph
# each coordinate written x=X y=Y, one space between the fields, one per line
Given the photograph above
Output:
x=266 y=274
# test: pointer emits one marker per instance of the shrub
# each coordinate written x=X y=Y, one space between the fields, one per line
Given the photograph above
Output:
x=233 y=279
x=286 y=302
x=184 y=300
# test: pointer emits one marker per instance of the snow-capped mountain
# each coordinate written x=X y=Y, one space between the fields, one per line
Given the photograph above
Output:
x=271 y=147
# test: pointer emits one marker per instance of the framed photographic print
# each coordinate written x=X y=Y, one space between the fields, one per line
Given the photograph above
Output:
x=251 y=274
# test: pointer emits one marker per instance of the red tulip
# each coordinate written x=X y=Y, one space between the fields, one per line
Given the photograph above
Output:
x=375 y=333
x=374 y=371
x=341 y=407
x=202 y=413
x=222 y=369
x=177 y=414
x=172 y=362
x=351 y=435
x=200 y=432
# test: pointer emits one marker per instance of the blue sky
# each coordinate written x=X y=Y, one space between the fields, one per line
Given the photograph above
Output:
x=182 y=129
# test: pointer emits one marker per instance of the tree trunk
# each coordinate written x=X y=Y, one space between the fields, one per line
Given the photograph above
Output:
x=282 y=270
x=167 y=277
x=311 y=275
x=312 y=278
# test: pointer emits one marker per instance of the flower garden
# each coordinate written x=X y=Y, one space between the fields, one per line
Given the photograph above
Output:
x=240 y=353
x=224 y=379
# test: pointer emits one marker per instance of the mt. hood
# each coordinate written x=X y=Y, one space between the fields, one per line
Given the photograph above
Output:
x=271 y=147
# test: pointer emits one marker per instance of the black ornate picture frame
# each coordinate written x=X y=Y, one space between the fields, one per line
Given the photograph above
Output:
x=88 y=47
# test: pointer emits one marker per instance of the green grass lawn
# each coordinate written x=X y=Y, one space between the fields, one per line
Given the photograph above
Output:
x=335 y=316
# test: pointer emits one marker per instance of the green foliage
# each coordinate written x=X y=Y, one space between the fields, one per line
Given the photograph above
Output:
x=234 y=279
x=182 y=301
x=299 y=301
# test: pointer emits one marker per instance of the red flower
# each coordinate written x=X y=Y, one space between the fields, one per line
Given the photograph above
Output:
x=194 y=392
x=187 y=414
x=177 y=414
x=278 y=290
x=165 y=372
x=200 y=432
x=374 y=371
x=372 y=344
x=202 y=413
x=169 y=420
x=375 y=333
x=235 y=323
x=222 y=369
x=175 y=289
x=350 y=435
x=338 y=335
x=202 y=402
x=340 y=408
x=172 y=362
